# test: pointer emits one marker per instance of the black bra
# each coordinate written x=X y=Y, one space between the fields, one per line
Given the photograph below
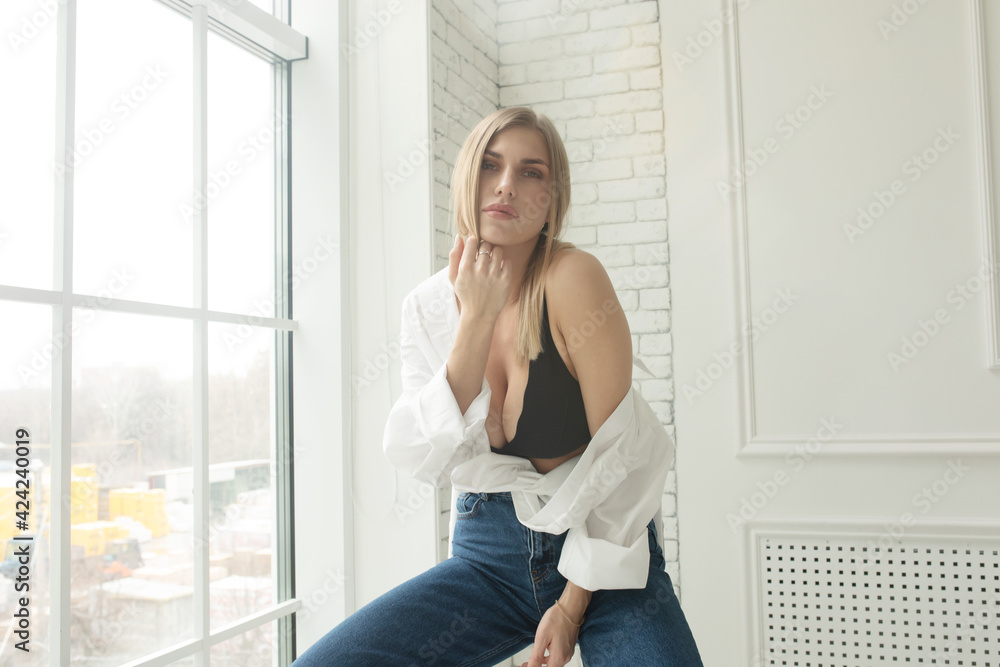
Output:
x=553 y=421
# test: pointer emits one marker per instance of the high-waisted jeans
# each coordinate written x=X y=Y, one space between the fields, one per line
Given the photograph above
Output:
x=484 y=605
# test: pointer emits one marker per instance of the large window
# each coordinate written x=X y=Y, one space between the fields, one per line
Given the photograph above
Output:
x=145 y=295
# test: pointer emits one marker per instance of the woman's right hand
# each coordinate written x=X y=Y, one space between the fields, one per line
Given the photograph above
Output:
x=481 y=282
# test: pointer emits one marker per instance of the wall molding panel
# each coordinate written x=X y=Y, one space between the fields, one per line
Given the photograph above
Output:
x=751 y=443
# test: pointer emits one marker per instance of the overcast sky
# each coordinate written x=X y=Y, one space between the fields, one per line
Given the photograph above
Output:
x=133 y=185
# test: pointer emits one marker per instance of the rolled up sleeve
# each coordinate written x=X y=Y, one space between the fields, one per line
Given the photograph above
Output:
x=609 y=547
x=426 y=434
x=596 y=563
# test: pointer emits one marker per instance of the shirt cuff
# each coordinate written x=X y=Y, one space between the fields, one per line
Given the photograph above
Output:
x=597 y=564
x=441 y=420
x=426 y=434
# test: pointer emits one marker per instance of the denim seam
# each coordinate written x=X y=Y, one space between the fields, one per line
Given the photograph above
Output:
x=543 y=575
x=477 y=503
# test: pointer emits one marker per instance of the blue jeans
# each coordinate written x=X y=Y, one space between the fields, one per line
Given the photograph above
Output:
x=484 y=604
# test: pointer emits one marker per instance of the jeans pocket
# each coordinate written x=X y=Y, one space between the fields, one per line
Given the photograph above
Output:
x=467 y=505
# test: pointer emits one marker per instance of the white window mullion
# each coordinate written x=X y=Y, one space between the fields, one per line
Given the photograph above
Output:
x=249 y=26
x=172 y=654
x=202 y=496
x=105 y=303
x=62 y=355
x=282 y=564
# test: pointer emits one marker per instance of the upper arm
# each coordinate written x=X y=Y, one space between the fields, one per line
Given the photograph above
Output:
x=590 y=318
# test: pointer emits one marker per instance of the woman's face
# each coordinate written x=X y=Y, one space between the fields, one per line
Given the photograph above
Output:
x=514 y=191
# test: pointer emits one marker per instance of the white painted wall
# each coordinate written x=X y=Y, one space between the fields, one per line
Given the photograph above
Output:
x=324 y=565
x=824 y=425
x=361 y=171
x=391 y=249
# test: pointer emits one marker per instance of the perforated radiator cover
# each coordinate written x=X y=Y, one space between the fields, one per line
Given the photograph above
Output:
x=857 y=601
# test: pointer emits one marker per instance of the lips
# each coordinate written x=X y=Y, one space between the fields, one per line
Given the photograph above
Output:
x=501 y=211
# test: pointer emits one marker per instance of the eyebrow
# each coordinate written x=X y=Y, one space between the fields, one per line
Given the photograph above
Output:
x=525 y=161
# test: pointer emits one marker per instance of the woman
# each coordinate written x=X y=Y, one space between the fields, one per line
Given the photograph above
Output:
x=517 y=390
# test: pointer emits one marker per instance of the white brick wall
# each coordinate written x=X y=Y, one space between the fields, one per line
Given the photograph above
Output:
x=465 y=88
x=593 y=67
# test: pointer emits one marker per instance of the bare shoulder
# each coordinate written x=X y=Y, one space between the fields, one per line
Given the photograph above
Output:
x=576 y=281
x=590 y=319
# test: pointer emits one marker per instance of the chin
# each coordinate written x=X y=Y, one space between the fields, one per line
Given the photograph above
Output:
x=500 y=232
x=489 y=232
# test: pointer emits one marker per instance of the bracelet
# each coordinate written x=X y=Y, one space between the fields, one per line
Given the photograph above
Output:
x=567 y=616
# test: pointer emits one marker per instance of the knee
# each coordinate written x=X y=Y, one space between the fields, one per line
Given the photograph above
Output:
x=327 y=650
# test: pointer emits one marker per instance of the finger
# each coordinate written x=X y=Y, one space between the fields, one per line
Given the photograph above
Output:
x=484 y=254
x=469 y=251
x=453 y=258
x=537 y=655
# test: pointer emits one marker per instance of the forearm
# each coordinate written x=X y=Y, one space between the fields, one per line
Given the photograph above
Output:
x=467 y=360
x=575 y=600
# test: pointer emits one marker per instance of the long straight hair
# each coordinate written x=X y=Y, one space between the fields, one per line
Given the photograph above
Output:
x=466 y=205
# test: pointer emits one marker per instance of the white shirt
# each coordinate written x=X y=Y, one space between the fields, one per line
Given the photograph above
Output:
x=604 y=496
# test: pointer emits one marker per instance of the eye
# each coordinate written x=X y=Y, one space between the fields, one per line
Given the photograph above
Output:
x=533 y=173
x=488 y=165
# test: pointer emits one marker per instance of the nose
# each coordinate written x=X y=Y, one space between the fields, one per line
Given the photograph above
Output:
x=506 y=184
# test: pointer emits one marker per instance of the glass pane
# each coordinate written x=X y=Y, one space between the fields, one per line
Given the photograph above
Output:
x=242 y=444
x=28 y=79
x=133 y=158
x=26 y=397
x=254 y=648
x=240 y=190
x=131 y=534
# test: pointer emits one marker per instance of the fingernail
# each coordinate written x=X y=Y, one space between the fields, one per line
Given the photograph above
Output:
x=457 y=236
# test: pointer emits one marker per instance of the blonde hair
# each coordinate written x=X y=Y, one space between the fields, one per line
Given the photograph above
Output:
x=466 y=205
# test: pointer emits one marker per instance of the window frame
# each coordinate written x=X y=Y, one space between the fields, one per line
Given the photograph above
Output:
x=271 y=38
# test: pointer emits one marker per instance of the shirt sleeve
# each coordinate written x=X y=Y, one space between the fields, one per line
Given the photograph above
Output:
x=607 y=546
x=426 y=434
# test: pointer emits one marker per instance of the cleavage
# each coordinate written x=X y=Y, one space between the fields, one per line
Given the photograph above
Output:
x=507 y=373
x=503 y=370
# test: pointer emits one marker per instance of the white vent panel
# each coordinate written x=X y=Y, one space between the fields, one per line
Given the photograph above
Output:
x=856 y=601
